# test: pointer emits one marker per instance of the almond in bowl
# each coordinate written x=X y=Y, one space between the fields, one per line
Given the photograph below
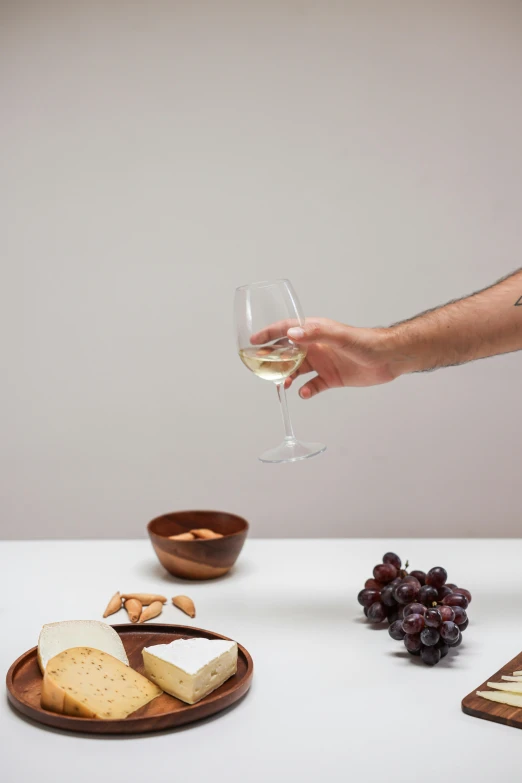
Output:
x=195 y=534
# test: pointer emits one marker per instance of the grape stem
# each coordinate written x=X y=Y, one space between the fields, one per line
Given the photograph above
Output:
x=402 y=571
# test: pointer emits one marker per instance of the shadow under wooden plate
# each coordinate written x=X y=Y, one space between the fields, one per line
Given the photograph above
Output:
x=490 y=710
x=24 y=686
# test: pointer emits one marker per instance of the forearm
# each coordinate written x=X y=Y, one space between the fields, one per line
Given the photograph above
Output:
x=483 y=324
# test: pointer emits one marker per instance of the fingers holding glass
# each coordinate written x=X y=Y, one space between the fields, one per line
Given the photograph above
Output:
x=274 y=331
x=304 y=368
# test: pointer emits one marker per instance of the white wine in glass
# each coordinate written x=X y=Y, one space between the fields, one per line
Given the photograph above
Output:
x=263 y=313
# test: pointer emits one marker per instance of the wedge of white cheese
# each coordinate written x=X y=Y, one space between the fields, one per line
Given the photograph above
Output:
x=512 y=699
x=511 y=679
x=190 y=669
x=57 y=637
x=512 y=687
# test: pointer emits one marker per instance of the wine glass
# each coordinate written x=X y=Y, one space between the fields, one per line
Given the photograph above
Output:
x=263 y=314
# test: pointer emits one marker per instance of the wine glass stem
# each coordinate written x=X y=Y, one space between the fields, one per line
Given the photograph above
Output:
x=281 y=393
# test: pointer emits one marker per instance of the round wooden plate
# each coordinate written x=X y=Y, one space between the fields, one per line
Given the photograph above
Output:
x=24 y=685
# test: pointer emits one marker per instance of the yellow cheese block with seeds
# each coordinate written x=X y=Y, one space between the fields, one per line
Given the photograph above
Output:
x=88 y=683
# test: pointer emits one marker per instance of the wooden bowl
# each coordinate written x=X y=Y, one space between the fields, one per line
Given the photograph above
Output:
x=202 y=558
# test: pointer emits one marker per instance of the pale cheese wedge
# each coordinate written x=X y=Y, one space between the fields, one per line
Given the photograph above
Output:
x=88 y=683
x=511 y=699
x=56 y=637
x=512 y=687
x=511 y=679
x=517 y=674
x=190 y=669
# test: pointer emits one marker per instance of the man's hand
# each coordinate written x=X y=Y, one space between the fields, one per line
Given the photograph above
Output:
x=340 y=355
x=487 y=323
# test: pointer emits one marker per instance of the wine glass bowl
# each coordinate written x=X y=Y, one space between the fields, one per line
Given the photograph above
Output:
x=273 y=361
x=264 y=312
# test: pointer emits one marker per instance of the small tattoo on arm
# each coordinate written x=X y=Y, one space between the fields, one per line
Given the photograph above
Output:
x=518 y=303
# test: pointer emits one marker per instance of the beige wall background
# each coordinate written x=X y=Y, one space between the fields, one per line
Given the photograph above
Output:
x=155 y=156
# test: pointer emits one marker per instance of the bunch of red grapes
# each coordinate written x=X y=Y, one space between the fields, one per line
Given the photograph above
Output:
x=423 y=610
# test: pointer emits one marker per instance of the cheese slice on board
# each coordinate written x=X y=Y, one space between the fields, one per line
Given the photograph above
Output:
x=56 y=637
x=512 y=699
x=511 y=679
x=190 y=669
x=89 y=683
x=512 y=687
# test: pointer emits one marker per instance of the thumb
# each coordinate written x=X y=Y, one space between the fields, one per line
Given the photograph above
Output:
x=320 y=332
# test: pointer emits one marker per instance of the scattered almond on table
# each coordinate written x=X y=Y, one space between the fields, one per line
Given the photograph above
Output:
x=114 y=605
x=133 y=608
x=145 y=598
x=185 y=603
x=152 y=610
x=133 y=603
x=146 y=606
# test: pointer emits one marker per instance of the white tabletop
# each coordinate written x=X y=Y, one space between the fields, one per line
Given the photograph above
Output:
x=332 y=699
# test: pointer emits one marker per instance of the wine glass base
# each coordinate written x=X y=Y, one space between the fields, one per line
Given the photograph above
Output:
x=291 y=451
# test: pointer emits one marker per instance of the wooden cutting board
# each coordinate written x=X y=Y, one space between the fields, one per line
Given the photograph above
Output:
x=489 y=710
